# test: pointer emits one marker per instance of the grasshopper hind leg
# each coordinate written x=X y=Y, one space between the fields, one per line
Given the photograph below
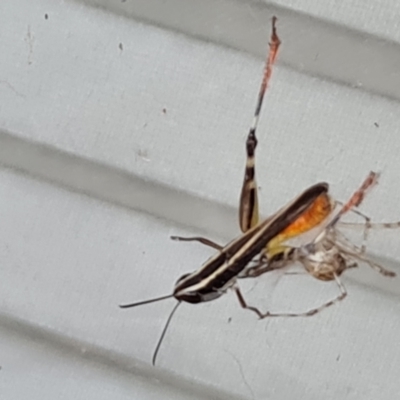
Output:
x=248 y=209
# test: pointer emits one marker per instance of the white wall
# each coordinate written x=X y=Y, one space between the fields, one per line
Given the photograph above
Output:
x=97 y=177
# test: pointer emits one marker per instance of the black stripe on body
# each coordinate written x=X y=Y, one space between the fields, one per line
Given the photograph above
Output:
x=227 y=264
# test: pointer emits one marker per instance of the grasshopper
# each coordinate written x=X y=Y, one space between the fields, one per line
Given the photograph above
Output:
x=220 y=272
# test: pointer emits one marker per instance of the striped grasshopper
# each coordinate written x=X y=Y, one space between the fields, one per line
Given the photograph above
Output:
x=220 y=272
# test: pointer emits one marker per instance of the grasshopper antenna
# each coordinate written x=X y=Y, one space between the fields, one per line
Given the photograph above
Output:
x=141 y=303
x=164 y=332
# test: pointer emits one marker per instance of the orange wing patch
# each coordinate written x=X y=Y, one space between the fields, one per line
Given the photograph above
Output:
x=314 y=215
